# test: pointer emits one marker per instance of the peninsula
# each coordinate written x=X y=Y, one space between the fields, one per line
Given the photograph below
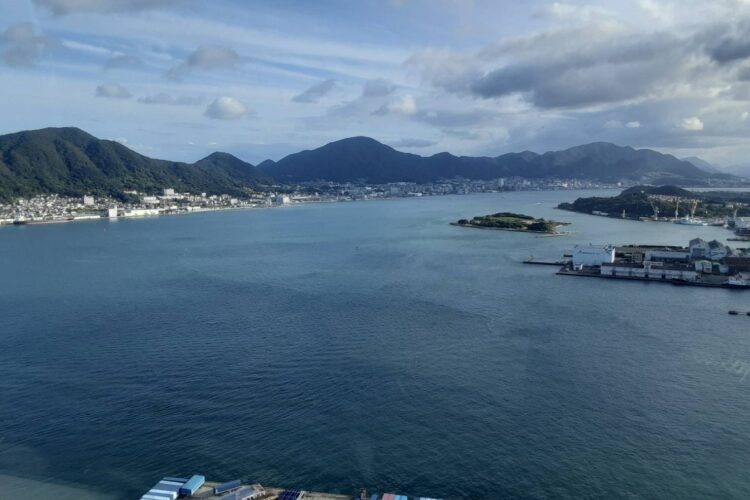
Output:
x=509 y=221
x=729 y=209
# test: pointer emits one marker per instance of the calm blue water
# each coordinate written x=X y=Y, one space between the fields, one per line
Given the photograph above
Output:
x=335 y=346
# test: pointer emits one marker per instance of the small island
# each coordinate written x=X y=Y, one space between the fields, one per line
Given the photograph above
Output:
x=508 y=221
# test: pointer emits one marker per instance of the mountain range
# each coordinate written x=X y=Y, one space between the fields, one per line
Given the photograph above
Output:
x=365 y=159
x=69 y=161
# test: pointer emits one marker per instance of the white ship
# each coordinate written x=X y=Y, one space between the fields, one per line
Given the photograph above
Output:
x=738 y=281
x=690 y=221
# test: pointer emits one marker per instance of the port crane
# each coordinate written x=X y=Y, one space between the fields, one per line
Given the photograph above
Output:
x=693 y=208
x=655 y=208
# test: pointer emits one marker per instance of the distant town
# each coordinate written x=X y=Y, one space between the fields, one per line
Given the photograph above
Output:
x=48 y=209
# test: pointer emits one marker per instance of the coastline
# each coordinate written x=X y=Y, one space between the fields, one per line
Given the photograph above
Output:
x=260 y=207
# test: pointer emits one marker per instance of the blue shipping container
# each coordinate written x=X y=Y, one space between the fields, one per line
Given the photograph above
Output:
x=192 y=485
x=223 y=488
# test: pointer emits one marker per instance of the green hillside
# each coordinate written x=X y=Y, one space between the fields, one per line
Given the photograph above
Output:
x=70 y=162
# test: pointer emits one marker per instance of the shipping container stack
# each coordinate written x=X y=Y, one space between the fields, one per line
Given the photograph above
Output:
x=166 y=489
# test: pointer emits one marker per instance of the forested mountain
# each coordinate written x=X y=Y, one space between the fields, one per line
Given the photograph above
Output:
x=365 y=159
x=68 y=161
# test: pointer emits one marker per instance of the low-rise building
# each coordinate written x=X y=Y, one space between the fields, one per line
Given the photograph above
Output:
x=667 y=255
x=649 y=272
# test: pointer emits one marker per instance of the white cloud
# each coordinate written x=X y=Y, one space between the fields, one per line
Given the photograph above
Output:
x=406 y=105
x=744 y=115
x=113 y=91
x=692 y=123
x=226 y=108
x=633 y=124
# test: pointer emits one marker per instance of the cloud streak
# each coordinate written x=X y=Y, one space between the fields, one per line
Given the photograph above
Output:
x=65 y=7
x=170 y=100
x=315 y=92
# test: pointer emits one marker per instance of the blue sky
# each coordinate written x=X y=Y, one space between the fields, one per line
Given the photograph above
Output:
x=179 y=79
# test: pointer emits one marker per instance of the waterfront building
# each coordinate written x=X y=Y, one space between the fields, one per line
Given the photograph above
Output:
x=659 y=272
x=667 y=255
x=88 y=200
x=280 y=199
x=593 y=255
x=698 y=248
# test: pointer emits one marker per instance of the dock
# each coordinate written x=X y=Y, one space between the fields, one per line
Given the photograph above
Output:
x=707 y=264
x=558 y=263
x=586 y=273
x=170 y=488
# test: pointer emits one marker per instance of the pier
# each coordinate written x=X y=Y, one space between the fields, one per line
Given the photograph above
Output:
x=170 y=488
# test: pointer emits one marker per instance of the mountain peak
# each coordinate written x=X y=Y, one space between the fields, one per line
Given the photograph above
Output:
x=359 y=141
x=219 y=156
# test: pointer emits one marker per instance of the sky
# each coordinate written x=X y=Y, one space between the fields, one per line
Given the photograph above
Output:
x=179 y=79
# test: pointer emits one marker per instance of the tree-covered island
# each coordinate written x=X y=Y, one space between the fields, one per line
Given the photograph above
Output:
x=508 y=221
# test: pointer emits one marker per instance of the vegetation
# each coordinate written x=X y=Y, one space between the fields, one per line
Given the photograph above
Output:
x=640 y=201
x=512 y=222
x=364 y=159
x=70 y=162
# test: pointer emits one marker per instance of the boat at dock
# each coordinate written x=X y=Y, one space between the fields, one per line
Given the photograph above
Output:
x=737 y=282
x=690 y=221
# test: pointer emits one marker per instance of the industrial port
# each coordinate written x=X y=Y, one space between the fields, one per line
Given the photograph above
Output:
x=196 y=486
x=701 y=263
